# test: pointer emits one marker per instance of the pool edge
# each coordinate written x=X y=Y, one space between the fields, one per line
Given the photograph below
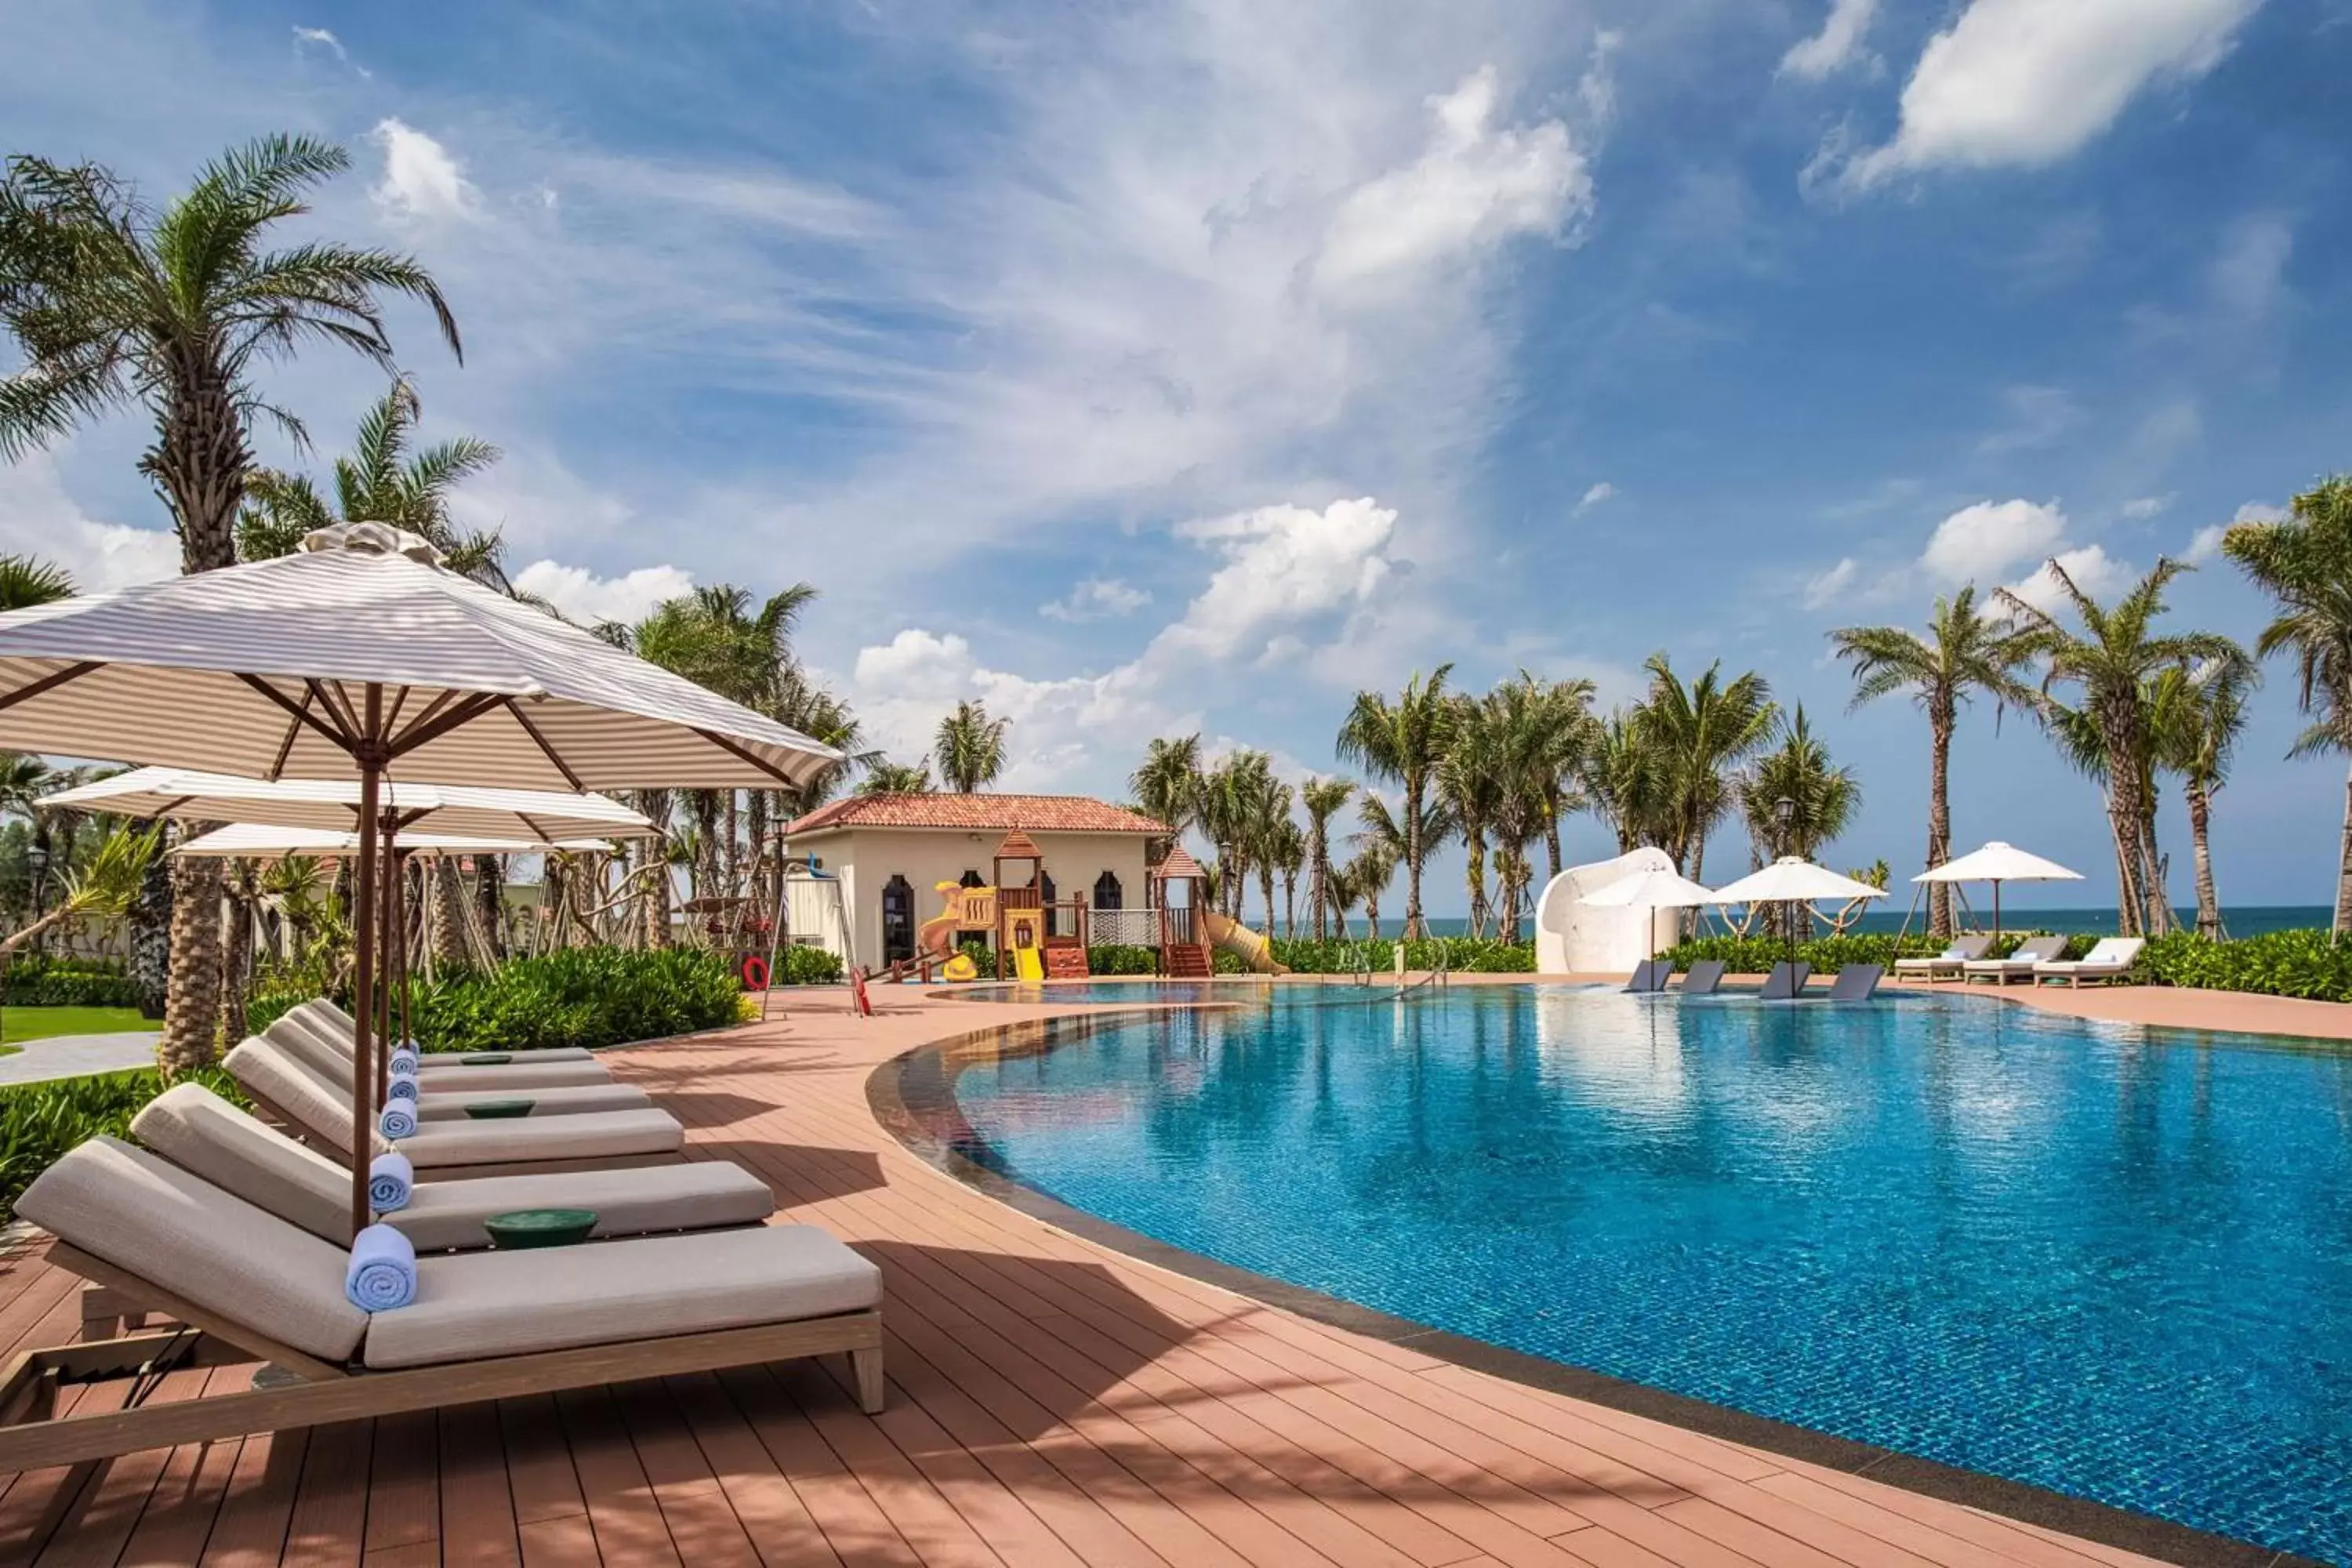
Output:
x=911 y=1097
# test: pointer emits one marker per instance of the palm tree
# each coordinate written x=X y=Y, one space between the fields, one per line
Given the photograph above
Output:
x=2199 y=715
x=1624 y=779
x=379 y=481
x=1322 y=798
x=1271 y=833
x=26 y=581
x=1402 y=743
x=115 y=304
x=2306 y=564
x=1821 y=799
x=895 y=778
x=1367 y=877
x=1964 y=652
x=1472 y=778
x=101 y=887
x=970 y=748
x=1699 y=733
x=1287 y=846
x=1167 y=787
x=2113 y=662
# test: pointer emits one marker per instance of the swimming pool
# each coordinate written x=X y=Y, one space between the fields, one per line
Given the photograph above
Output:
x=2103 y=1260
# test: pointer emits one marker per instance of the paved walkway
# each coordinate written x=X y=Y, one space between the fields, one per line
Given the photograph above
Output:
x=74 y=1056
x=1051 y=1401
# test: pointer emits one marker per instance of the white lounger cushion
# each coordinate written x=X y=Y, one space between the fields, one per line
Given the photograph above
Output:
x=322 y=1113
x=572 y=1099
x=473 y=1305
x=208 y=1246
x=447 y=1147
x=303 y=1042
x=199 y=1130
x=339 y=1025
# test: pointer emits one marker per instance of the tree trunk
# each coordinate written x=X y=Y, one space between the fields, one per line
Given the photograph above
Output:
x=1266 y=887
x=237 y=956
x=1939 y=821
x=2160 y=918
x=1551 y=836
x=1413 y=924
x=1319 y=883
x=490 y=901
x=2209 y=902
x=192 y=1000
x=32 y=932
x=2342 y=921
x=1475 y=875
x=150 y=937
x=449 y=950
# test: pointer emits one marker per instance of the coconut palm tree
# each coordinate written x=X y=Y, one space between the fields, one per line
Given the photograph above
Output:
x=115 y=304
x=970 y=748
x=1167 y=787
x=1472 y=778
x=1271 y=833
x=2305 y=563
x=380 y=480
x=1287 y=846
x=1965 y=652
x=1367 y=877
x=1822 y=799
x=887 y=777
x=2199 y=716
x=1402 y=743
x=2113 y=663
x=1699 y=732
x=1625 y=780
x=1323 y=799
x=26 y=581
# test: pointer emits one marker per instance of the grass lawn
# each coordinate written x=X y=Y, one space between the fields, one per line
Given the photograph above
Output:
x=40 y=1023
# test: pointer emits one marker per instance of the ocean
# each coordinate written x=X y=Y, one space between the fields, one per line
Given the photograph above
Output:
x=2248 y=919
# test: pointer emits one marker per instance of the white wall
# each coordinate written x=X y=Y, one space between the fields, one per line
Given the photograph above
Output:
x=866 y=858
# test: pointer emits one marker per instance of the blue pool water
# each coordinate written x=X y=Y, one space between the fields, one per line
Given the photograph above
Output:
x=2103 y=1260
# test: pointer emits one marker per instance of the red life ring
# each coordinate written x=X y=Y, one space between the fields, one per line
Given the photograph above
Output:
x=755 y=972
x=857 y=993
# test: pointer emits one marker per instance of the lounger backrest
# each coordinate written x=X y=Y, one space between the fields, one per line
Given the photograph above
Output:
x=327 y=1008
x=199 y=1130
x=1856 y=982
x=2114 y=950
x=305 y=1047
x=322 y=1111
x=1969 y=949
x=1650 y=975
x=1786 y=981
x=329 y=1029
x=211 y=1248
x=1705 y=975
x=2039 y=948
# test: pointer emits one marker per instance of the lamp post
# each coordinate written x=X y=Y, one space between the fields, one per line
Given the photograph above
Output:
x=37 y=859
x=1784 y=813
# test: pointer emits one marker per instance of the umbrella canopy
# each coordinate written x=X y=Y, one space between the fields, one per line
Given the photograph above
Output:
x=1792 y=881
x=1657 y=889
x=302 y=666
x=260 y=841
x=1998 y=862
x=530 y=818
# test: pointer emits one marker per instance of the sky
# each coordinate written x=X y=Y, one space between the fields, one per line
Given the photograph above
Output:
x=1145 y=369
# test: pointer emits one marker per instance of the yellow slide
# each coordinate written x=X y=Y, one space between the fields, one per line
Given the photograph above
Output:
x=1251 y=947
x=1026 y=965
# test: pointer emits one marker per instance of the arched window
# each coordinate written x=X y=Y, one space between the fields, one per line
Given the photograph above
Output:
x=897 y=919
x=973 y=879
x=1108 y=894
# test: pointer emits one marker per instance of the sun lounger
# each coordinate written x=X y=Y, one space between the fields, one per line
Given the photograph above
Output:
x=482 y=1326
x=1650 y=975
x=1703 y=977
x=2112 y=959
x=1949 y=962
x=297 y=1095
x=199 y=1130
x=1856 y=982
x=2017 y=965
x=438 y=1101
x=319 y=1039
x=1786 y=982
x=325 y=1011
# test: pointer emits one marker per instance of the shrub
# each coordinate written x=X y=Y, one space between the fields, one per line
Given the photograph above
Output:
x=2302 y=964
x=1828 y=954
x=579 y=996
x=1462 y=954
x=40 y=1121
x=1115 y=958
x=38 y=980
x=806 y=965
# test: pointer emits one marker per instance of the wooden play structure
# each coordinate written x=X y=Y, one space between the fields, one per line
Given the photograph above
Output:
x=1183 y=934
x=1036 y=938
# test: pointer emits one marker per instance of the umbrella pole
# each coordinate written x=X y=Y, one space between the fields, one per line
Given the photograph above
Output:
x=369 y=755
x=1996 y=909
x=387 y=940
x=393 y=1041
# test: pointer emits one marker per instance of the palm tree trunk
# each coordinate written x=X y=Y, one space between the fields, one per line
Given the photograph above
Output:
x=1266 y=887
x=2342 y=921
x=2130 y=914
x=449 y=914
x=150 y=938
x=236 y=955
x=2160 y=918
x=1474 y=873
x=32 y=932
x=2209 y=902
x=192 y=1000
x=1318 y=885
x=1413 y=923
x=1551 y=834
x=1939 y=823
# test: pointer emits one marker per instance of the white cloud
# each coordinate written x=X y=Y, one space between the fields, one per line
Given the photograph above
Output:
x=2028 y=82
x=2090 y=567
x=2249 y=275
x=322 y=38
x=2139 y=508
x=1836 y=46
x=420 y=180
x=38 y=518
x=2206 y=545
x=1097 y=599
x=2260 y=512
x=1830 y=586
x=1594 y=497
x=1983 y=540
x=2039 y=416
x=1283 y=564
x=1476 y=187
x=585 y=598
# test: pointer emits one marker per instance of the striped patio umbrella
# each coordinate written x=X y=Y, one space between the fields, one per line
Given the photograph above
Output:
x=259 y=841
x=525 y=818
x=357 y=658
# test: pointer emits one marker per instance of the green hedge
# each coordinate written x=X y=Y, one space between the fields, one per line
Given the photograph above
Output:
x=809 y=966
x=1828 y=954
x=37 y=980
x=580 y=997
x=40 y=1121
x=2302 y=964
x=1462 y=954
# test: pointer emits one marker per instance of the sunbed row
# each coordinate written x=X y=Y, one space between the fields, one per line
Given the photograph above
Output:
x=2036 y=960
x=1786 y=982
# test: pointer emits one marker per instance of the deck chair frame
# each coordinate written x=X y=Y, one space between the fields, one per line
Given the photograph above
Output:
x=34 y=1436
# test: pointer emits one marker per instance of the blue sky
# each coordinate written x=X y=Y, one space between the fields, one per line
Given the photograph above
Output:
x=1140 y=369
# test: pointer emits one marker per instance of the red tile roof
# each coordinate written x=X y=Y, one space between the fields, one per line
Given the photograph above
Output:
x=980 y=813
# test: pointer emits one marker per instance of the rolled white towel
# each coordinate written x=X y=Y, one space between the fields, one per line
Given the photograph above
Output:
x=404 y=1057
x=391 y=1181
x=383 y=1271
x=399 y=1118
x=400 y=1085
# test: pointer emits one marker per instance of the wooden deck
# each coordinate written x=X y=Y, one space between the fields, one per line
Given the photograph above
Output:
x=1051 y=1402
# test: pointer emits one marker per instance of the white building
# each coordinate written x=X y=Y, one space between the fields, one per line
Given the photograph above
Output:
x=890 y=852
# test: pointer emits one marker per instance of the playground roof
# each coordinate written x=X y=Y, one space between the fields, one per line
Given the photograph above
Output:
x=978 y=812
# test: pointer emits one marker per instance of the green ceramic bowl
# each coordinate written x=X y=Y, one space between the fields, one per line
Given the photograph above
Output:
x=540 y=1227
x=499 y=1110
x=488 y=1059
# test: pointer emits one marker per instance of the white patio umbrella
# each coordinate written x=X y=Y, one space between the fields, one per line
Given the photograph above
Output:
x=1657 y=889
x=357 y=658
x=1998 y=863
x=1792 y=879
x=525 y=818
x=259 y=841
